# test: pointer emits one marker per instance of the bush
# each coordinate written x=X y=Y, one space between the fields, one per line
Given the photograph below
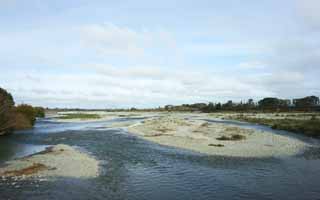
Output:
x=22 y=122
x=216 y=145
x=39 y=112
x=16 y=118
x=28 y=112
x=233 y=137
x=6 y=112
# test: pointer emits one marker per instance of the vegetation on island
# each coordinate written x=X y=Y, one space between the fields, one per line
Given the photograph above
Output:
x=309 y=127
x=16 y=117
x=234 y=137
x=79 y=116
x=23 y=116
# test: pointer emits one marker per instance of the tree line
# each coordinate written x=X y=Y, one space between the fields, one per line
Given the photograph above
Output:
x=269 y=104
x=16 y=117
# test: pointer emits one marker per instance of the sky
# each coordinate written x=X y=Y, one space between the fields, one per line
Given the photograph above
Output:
x=142 y=53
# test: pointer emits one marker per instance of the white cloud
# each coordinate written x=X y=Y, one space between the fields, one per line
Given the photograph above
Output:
x=126 y=87
x=109 y=39
x=288 y=69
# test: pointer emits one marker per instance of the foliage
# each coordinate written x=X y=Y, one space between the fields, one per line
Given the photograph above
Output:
x=6 y=112
x=39 y=112
x=28 y=112
x=273 y=103
x=216 y=145
x=269 y=104
x=233 y=137
x=80 y=116
x=16 y=118
x=306 y=103
x=310 y=127
x=21 y=122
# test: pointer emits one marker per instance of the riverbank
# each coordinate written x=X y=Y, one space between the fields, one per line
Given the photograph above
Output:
x=301 y=123
x=190 y=131
x=90 y=116
x=135 y=169
x=56 y=161
x=215 y=139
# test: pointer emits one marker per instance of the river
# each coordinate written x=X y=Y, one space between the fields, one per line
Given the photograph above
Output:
x=133 y=168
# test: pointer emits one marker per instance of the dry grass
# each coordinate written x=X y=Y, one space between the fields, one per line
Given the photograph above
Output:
x=155 y=135
x=79 y=116
x=216 y=145
x=234 y=137
x=163 y=130
x=309 y=127
x=33 y=169
x=22 y=122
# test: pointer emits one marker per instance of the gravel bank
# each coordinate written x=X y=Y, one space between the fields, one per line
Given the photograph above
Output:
x=56 y=161
x=216 y=139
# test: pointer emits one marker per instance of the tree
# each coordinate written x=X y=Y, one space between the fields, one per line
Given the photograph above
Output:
x=39 y=112
x=228 y=106
x=250 y=102
x=306 y=102
x=218 y=106
x=208 y=108
x=273 y=103
x=7 y=120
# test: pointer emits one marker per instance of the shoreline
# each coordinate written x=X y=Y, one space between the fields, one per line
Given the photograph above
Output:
x=215 y=139
x=56 y=161
x=190 y=131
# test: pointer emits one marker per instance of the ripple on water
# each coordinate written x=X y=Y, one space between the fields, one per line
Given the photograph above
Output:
x=138 y=169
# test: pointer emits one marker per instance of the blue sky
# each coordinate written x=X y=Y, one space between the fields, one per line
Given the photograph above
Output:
x=98 y=54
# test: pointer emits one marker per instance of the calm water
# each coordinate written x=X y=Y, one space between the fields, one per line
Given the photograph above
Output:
x=137 y=169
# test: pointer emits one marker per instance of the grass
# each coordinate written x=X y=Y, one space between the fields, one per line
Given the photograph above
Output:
x=216 y=145
x=309 y=127
x=234 y=137
x=80 y=116
x=35 y=168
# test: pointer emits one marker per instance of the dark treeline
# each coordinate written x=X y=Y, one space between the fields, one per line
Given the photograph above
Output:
x=270 y=104
x=16 y=117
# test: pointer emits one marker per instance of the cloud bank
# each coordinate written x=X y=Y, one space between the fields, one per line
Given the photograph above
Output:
x=66 y=58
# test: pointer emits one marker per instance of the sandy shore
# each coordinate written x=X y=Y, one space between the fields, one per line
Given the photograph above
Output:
x=215 y=139
x=56 y=161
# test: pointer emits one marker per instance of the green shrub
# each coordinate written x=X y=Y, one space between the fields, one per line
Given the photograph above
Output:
x=28 y=112
x=22 y=122
x=310 y=127
x=6 y=112
x=233 y=137
x=39 y=112
x=216 y=145
x=79 y=116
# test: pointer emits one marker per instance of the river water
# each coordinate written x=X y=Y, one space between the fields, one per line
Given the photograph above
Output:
x=133 y=168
